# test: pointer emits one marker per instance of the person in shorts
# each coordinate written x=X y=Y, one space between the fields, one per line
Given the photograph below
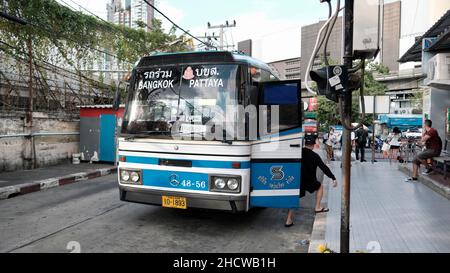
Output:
x=394 y=142
x=433 y=147
x=310 y=178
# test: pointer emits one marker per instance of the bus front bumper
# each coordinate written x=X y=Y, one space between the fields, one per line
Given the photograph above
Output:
x=194 y=200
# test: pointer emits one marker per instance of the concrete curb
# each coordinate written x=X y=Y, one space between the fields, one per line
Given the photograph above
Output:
x=21 y=189
x=441 y=189
x=319 y=226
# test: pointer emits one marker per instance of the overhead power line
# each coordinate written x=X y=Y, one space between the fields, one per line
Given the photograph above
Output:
x=177 y=26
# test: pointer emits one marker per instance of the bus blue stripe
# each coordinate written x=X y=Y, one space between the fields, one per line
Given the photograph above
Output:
x=287 y=202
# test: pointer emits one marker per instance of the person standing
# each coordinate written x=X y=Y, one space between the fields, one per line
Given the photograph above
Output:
x=309 y=178
x=394 y=143
x=361 y=142
x=329 y=143
x=433 y=148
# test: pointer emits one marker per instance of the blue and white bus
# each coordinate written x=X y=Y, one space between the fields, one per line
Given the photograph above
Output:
x=166 y=157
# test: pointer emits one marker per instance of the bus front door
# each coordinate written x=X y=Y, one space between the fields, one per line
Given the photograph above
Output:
x=276 y=157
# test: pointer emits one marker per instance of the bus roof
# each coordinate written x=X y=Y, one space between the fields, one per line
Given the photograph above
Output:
x=200 y=57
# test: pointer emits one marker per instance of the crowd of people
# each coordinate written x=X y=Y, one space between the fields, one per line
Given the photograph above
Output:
x=313 y=168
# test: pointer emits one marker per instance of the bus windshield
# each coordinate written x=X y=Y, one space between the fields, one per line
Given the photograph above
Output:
x=181 y=100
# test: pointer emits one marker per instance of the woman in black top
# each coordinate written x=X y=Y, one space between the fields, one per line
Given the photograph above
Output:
x=310 y=162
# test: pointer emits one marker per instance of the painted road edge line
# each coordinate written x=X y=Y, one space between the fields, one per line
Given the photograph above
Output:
x=21 y=189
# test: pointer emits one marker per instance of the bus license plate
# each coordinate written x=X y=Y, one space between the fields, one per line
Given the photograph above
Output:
x=174 y=202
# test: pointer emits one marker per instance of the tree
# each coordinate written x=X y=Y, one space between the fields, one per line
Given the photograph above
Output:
x=73 y=40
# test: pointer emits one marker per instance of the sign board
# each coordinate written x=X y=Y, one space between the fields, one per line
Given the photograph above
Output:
x=382 y=104
x=245 y=47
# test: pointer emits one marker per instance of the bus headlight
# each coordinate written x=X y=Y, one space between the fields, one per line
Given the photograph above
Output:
x=228 y=184
x=219 y=183
x=233 y=184
x=134 y=177
x=125 y=175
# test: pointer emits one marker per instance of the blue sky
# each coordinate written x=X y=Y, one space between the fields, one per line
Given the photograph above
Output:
x=274 y=25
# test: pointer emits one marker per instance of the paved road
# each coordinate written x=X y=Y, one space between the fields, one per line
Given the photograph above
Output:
x=91 y=214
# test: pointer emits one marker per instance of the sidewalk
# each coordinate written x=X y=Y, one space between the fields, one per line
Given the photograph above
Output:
x=26 y=181
x=386 y=211
x=434 y=181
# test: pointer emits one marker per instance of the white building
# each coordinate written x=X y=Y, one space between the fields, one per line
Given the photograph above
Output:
x=130 y=12
x=417 y=17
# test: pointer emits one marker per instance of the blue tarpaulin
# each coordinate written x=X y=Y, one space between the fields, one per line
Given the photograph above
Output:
x=401 y=121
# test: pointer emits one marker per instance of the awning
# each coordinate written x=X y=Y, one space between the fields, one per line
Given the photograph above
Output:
x=440 y=30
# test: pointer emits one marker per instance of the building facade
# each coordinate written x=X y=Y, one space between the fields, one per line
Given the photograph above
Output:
x=134 y=14
x=288 y=69
x=432 y=51
x=334 y=47
x=390 y=45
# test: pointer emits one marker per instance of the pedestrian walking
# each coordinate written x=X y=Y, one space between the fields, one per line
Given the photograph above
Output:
x=433 y=148
x=360 y=142
x=309 y=178
x=331 y=140
x=394 y=143
x=385 y=147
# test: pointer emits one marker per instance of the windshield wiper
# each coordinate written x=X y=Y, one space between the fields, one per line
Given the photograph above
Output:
x=144 y=134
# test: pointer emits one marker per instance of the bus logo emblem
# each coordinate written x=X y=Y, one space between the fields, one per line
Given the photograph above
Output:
x=277 y=172
x=173 y=180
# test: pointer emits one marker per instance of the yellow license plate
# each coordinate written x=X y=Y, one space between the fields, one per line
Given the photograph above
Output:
x=174 y=202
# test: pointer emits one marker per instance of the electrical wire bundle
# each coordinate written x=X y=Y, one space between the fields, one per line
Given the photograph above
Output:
x=322 y=39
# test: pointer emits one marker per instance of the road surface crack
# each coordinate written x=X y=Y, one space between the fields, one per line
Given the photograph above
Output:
x=65 y=228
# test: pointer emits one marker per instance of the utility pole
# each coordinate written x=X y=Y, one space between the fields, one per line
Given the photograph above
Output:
x=208 y=39
x=29 y=119
x=373 y=128
x=347 y=146
x=222 y=31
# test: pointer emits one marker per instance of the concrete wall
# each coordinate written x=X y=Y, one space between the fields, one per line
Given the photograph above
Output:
x=15 y=153
x=436 y=100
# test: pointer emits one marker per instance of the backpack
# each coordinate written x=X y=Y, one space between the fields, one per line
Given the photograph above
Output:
x=440 y=143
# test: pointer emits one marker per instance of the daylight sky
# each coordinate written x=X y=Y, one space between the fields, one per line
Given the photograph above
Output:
x=274 y=25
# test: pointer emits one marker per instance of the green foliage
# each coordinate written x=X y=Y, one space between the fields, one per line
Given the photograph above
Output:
x=61 y=35
x=327 y=113
x=371 y=86
x=417 y=102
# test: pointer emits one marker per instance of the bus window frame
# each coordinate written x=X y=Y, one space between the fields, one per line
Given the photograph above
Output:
x=299 y=104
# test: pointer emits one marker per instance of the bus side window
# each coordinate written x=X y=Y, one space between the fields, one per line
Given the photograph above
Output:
x=285 y=96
